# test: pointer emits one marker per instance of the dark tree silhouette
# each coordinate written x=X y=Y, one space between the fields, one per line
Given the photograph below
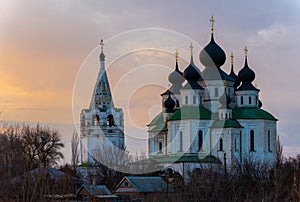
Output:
x=42 y=144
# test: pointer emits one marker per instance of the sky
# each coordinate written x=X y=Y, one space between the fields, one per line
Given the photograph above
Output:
x=46 y=47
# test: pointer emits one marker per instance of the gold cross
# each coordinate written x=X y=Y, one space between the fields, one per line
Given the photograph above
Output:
x=101 y=44
x=176 y=55
x=246 y=51
x=212 y=21
x=191 y=48
x=231 y=58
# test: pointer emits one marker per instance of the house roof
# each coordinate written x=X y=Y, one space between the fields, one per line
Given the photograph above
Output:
x=252 y=113
x=147 y=184
x=52 y=173
x=94 y=190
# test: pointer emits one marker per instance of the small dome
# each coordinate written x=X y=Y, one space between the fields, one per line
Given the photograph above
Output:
x=192 y=72
x=169 y=104
x=246 y=74
x=176 y=77
x=212 y=54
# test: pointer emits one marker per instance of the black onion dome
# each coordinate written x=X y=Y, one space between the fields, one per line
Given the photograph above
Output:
x=176 y=77
x=246 y=74
x=169 y=104
x=212 y=54
x=236 y=79
x=192 y=72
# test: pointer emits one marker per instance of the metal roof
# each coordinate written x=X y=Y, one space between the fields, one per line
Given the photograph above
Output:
x=148 y=183
x=95 y=189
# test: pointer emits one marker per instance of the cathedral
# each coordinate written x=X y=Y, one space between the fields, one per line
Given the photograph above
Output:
x=207 y=116
x=101 y=124
x=212 y=116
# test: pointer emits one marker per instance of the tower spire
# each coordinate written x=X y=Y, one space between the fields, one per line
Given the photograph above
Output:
x=102 y=98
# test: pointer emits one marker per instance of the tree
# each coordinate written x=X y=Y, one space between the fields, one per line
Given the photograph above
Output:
x=75 y=149
x=12 y=158
x=42 y=144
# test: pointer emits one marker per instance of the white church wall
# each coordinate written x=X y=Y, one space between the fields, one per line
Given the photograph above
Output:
x=260 y=128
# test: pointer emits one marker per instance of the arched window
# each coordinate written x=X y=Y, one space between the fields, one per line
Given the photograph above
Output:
x=110 y=120
x=186 y=99
x=180 y=141
x=250 y=100
x=216 y=92
x=252 y=140
x=235 y=144
x=200 y=140
x=269 y=141
x=221 y=144
x=194 y=99
x=226 y=116
x=242 y=100
x=95 y=120
x=160 y=147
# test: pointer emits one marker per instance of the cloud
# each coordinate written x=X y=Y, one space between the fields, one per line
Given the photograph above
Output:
x=274 y=35
x=272 y=32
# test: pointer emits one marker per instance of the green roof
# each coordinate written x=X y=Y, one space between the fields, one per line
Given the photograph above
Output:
x=252 y=113
x=185 y=158
x=191 y=112
x=159 y=128
x=158 y=120
x=226 y=124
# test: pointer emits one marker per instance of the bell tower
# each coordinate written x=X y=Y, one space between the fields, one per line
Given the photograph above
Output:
x=101 y=125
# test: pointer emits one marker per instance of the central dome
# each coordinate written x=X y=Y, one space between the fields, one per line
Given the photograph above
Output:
x=212 y=54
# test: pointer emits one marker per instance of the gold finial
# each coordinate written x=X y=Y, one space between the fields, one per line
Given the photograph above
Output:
x=101 y=44
x=191 y=48
x=231 y=58
x=176 y=55
x=212 y=21
x=225 y=84
x=246 y=51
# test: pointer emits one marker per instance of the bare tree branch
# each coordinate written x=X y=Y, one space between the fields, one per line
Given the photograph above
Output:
x=75 y=149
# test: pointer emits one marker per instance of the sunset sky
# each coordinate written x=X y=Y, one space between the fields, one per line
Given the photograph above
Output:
x=43 y=44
